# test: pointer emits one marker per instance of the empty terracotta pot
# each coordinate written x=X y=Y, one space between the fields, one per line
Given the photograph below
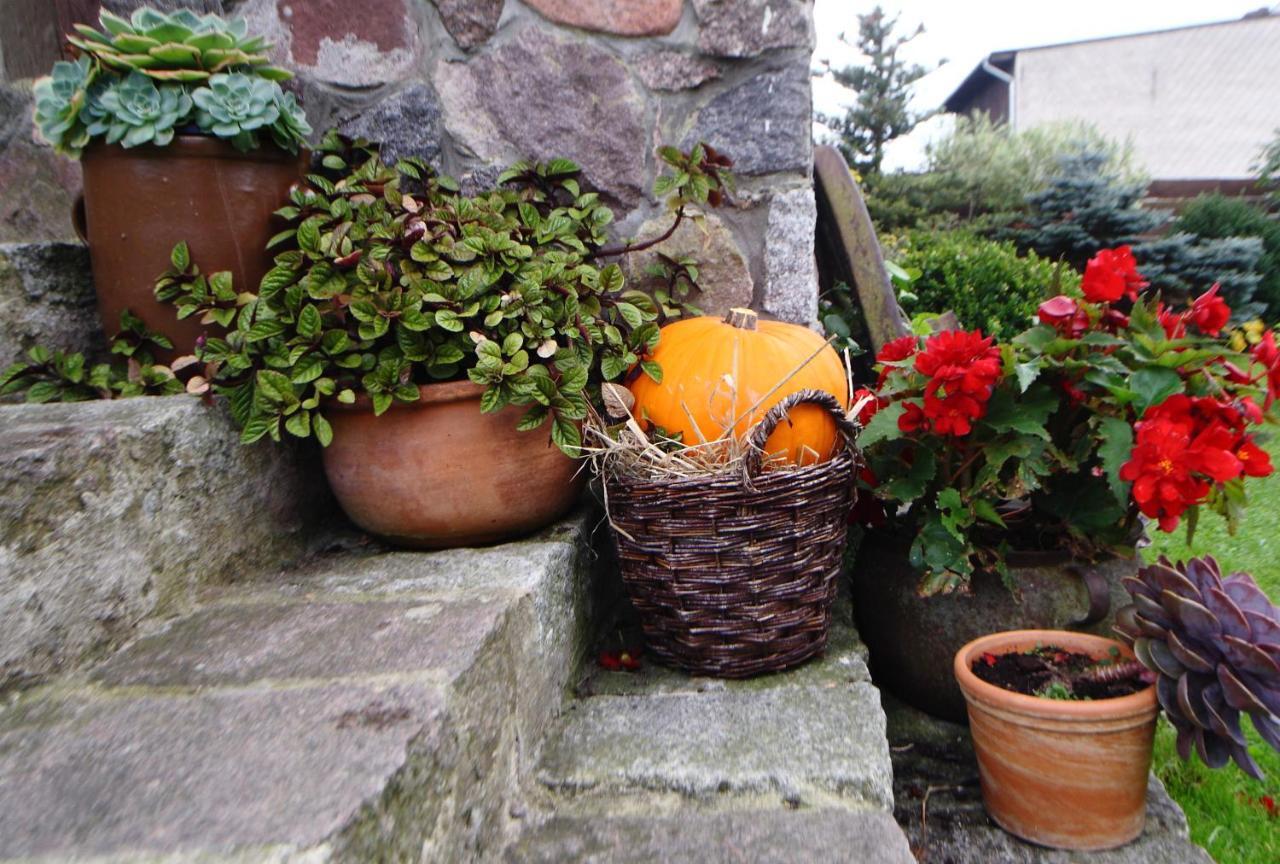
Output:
x=141 y=202
x=1067 y=774
x=439 y=473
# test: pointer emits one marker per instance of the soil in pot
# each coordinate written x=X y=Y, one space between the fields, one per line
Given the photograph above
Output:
x=1053 y=672
x=1067 y=773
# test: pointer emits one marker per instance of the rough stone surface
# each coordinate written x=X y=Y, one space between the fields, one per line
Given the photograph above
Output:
x=513 y=103
x=470 y=22
x=39 y=185
x=619 y=17
x=936 y=757
x=763 y=123
x=407 y=123
x=822 y=836
x=794 y=742
x=126 y=7
x=791 y=272
x=673 y=70
x=723 y=275
x=367 y=707
x=745 y=28
x=47 y=298
x=113 y=511
x=365 y=44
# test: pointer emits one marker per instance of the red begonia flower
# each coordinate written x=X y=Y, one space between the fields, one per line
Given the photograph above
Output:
x=1110 y=275
x=1064 y=315
x=1209 y=312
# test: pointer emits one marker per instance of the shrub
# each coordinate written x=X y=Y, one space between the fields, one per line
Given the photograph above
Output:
x=986 y=167
x=1180 y=265
x=985 y=282
x=1218 y=217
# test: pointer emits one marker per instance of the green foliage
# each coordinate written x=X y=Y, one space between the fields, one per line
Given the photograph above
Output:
x=1085 y=207
x=387 y=278
x=988 y=168
x=1180 y=265
x=881 y=111
x=1269 y=167
x=57 y=376
x=1217 y=217
x=137 y=80
x=985 y=282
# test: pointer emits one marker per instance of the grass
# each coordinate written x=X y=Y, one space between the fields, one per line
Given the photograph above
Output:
x=1224 y=808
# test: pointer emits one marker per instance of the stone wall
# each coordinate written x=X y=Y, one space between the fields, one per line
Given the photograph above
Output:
x=475 y=84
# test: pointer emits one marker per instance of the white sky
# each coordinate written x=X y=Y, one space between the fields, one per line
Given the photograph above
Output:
x=965 y=31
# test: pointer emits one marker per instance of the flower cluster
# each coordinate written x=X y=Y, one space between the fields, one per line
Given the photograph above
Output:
x=1111 y=407
x=1185 y=445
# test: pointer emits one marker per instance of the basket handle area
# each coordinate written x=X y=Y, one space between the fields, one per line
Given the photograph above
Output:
x=761 y=431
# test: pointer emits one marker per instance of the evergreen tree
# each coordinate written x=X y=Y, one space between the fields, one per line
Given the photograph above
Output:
x=881 y=111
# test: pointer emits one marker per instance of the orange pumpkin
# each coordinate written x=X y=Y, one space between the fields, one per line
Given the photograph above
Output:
x=714 y=370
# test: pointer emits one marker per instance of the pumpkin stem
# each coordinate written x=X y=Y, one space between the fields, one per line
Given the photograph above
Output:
x=743 y=319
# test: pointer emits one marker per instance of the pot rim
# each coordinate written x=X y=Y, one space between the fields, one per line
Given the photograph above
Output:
x=976 y=690
x=200 y=146
x=428 y=394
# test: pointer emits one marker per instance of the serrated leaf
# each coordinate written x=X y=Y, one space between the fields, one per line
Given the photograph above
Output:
x=912 y=485
x=1114 y=451
x=883 y=426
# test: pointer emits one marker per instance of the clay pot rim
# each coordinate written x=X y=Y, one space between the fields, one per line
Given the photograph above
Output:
x=202 y=146
x=428 y=395
x=1136 y=704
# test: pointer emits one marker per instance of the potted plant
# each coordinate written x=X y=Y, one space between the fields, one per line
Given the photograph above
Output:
x=421 y=335
x=1015 y=479
x=183 y=132
x=1063 y=723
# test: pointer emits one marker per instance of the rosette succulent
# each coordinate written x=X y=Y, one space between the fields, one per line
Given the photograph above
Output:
x=135 y=82
x=233 y=106
x=139 y=112
x=1214 y=644
x=60 y=100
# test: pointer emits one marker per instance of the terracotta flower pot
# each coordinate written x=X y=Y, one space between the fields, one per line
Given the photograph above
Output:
x=139 y=203
x=1060 y=773
x=913 y=639
x=438 y=473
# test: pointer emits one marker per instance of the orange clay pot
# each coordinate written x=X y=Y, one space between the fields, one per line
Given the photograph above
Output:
x=438 y=473
x=1072 y=775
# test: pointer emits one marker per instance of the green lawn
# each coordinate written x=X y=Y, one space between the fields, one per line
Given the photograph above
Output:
x=1224 y=807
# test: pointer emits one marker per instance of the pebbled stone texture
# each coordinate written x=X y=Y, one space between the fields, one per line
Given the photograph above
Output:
x=39 y=185
x=470 y=22
x=673 y=70
x=936 y=757
x=763 y=123
x=47 y=298
x=114 y=511
x=820 y=836
x=791 y=271
x=617 y=17
x=746 y=28
x=407 y=123
x=512 y=103
x=723 y=275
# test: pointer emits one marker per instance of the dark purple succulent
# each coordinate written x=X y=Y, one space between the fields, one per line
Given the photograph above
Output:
x=1214 y=645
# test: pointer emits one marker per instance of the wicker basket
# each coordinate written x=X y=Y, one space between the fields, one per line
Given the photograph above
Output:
x=733 y=576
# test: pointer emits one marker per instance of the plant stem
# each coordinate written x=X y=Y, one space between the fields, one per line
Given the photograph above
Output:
x=610 y=251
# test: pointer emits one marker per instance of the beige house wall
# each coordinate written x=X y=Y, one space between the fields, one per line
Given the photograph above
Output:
x=1197 y=103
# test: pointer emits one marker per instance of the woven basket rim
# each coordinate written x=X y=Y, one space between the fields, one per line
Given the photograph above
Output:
x=842 y=461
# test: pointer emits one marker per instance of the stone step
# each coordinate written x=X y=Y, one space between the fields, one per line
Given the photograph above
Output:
x=787 y=767
x=115 y=512
x=365 y=707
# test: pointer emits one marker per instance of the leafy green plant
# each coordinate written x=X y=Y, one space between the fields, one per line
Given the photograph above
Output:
x=387 y=278
x=136 y=81
x=58 y=376
x=986 y=283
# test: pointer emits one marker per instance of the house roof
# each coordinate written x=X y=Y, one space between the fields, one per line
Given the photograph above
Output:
x=1004 y=60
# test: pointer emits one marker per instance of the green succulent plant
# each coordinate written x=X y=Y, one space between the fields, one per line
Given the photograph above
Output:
x=175 y=46
x=135 y=80
x=139 y=112
x=233 y=106
x=387 y=278
x=1214 y=644
x=60 y=101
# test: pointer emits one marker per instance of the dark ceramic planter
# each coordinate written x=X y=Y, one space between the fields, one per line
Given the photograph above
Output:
x=913 y=640
x=141 y=202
